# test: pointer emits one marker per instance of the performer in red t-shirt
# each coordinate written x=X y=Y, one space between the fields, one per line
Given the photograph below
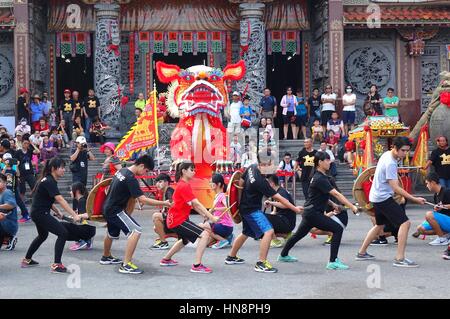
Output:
x=178 y=219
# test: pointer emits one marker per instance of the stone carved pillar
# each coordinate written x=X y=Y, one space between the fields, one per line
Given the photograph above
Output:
x=21 y=45
x=107 y=65
x=336 y=41
x=255 y=57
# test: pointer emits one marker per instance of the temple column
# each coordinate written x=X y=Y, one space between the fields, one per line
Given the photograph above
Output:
x=21 y=46
x=107 y=65
x=254 y=31
x=336 y=48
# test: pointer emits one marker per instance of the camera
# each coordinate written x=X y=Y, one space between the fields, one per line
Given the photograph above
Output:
x=85 y=146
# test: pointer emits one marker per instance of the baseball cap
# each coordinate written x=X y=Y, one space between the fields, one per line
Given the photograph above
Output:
x=7 y=156
x=23 y=90
x=81 y=140
x=67 y=91
x=236 y=93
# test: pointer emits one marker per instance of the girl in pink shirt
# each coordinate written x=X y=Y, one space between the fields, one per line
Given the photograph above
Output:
x=222 y=231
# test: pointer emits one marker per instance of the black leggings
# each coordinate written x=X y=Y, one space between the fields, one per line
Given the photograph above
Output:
x=46 y=223
x=319 y=220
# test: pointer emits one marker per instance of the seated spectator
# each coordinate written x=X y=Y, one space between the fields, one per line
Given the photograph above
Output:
x=236 y=151
x=336 y=125
x=317 y=131
x=263 y=123
x=286 y=165
x=8 y=215
x=47 y=149
x=78 y=129
x=269 y=127
x=62 y=131
x=23 y=127
x=57 y=139
x=266 y=139
x=332 y=142
x=350 y=149
x=18 y=140
x=42 y=126
x=437 y=221
x=36 y=139
x=98 y=131
x=249 y=157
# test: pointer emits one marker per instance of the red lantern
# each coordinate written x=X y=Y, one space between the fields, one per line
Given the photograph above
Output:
x=445 y=98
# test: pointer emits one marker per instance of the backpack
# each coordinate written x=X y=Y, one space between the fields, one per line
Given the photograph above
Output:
x=284 y=165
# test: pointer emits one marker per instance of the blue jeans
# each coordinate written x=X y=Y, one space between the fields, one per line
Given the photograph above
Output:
x=87 y=125
x=444 y=182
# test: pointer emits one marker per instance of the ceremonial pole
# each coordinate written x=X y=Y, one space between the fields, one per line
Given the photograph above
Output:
x=155 y=118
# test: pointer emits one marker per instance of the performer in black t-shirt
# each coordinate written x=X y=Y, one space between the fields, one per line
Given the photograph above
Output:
x=313 y=216
x=124 y=186
x=46 y=192
x=305 y=164
x=255 y=223
x=440 y=159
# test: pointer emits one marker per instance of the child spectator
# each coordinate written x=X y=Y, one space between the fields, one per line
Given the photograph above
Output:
x=235 y=151
x=317 y=131
x=332 y=142
x=62 y=131
x=336 y=125
x=246 y=113
x=269 y=127
x=57 y=138
x=98 y=131
x=302 y=115
x=52 y=118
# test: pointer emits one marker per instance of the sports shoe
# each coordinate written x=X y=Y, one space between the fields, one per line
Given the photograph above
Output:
x=26 y=263
x=287 y=259
x=406 y=263
x=110 y=260
x=264 y=266
x=201 y=269
x=289 y=235
x=446 y=254
x=416 y=234
x=233 y=260
x=276 y=243
x=221 y=244
x=364 y=256
x=337 y=265
x=160 y=245
x=81 y=244
x=439 y=241
x=25 y=219
x=58 y=269
x=379 y=242
x=11 y=243
x=130 y=268
x=328 y=241
x=168 y=262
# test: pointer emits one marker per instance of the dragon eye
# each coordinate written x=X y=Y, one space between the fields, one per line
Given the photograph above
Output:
x=214 y=77
x=188 y=78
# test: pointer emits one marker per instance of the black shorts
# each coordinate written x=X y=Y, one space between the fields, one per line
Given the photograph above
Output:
x=325 y=116
x=79 y=232
x=166 y=229
x=289 y=118
x=187 y=231
x=121 y=222
x=390 y=212
x=280 y=224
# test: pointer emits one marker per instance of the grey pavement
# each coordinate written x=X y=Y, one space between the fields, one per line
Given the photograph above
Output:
x=307 y=278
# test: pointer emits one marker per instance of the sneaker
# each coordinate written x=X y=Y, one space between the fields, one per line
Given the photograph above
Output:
x=264 y=266
x=11 y=243
x=328 y=241
x=25 y=219
x=446 y=254
x=379 y=242
x=276 y=243
x=28 y=263
x=406 y=263
x=221 y=244
x=90 y=244
x=79 y=245
x=233 y=260
x=110 y=260
x=130 y=268
x=287 y=259
x=337 y=265
x=364 y=256
x=201 y=269
x=168 y=262
x=439 y=241
x=58 y=269
x=288 y=236
x=160 y=245
x=416 y=234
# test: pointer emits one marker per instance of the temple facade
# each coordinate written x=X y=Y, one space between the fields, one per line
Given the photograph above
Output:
x=112 y=45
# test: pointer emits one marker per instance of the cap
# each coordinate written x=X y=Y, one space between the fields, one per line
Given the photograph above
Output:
x=236 y=93
x=81 y=140
x=7 y=156
x=67 y=91
x=23 y=90
x=19 y=133
x=109 y=145
x=36 y=96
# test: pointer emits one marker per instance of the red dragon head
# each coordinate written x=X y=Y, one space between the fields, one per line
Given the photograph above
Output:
x=198 y=89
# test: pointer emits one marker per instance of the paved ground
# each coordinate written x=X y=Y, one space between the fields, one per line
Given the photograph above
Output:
x=307 y=278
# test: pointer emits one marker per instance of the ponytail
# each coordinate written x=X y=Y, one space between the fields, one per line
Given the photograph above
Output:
x=180 y=167
x=219 y=180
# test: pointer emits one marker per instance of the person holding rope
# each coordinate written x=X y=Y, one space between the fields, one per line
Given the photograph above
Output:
x=313 y=216
x=222 y=231
x=385 y=183
x=124 y=186
x=45 y=193
x=255 y=223
x=159 y=219
x=178 y=220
